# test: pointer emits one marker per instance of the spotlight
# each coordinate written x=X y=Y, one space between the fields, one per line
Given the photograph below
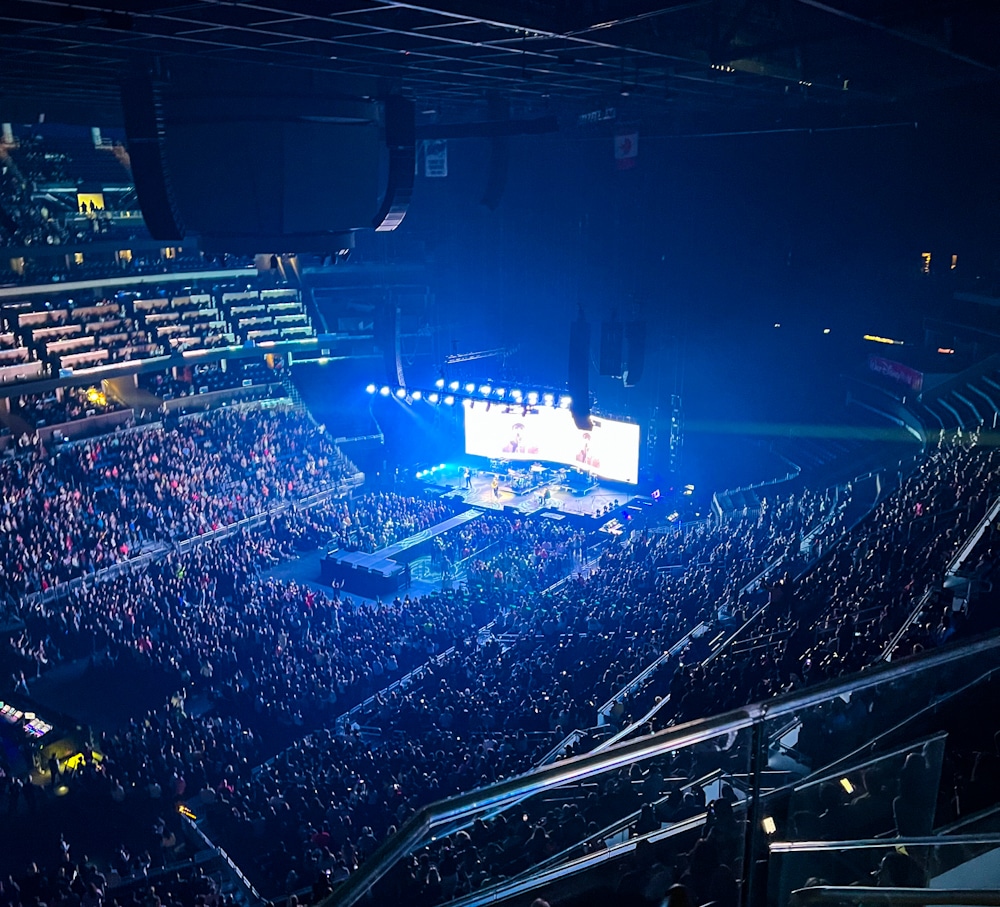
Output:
x=371 y=388
x=453 y=386
x=565 y=401
x=516 y=395
x=400 y=392
x=549 y=399
x=432 y=398
x=470 y=388
x=417 y=395
x=500 y=392
x=439 y=383
x=533 y=397
x=485 y=390
x=385 y=390
x=449 y=400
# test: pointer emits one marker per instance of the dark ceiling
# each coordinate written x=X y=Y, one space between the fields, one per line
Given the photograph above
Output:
x=703 y=63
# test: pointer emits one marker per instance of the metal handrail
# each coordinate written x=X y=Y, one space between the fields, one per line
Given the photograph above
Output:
x=881 y=843
x=866 y=894
x=415 y=830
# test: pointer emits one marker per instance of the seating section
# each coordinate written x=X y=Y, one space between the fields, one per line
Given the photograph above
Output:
x=41 y=337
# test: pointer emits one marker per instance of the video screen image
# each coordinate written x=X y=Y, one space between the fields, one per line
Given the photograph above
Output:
x=610 y=450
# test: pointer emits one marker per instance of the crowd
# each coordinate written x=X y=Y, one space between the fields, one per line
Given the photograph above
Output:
x=75 y=403
x=842 y=614
x=95 y=503
x=266 y=653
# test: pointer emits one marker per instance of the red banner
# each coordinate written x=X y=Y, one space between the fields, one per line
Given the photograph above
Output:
x=898 y=372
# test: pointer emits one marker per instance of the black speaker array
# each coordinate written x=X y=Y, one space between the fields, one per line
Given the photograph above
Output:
x=387 y=338
x=578 y=382
x=496 y=180
x=612 y=338
x=143 y=129
x=635 y=352
x=401 y=139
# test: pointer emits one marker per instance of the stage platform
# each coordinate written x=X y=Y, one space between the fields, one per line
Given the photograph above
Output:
x=596 y=501
x=384 y=572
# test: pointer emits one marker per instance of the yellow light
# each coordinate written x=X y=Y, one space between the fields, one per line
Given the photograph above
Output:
x=768 y=825
x=874 y=338
x=184 y=811
x=845 y=783
x=926 y=258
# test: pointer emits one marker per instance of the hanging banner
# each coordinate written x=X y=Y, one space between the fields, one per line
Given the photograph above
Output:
x=626 y=150
x=898 y=372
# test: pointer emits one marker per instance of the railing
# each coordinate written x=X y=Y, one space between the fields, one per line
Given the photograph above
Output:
x=736 y=725
x=252 y=894
x=917 y=897
x=967 y=547
x=604 y=712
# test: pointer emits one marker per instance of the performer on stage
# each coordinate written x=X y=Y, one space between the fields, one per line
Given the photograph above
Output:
x=495 y=485
x=468 y=478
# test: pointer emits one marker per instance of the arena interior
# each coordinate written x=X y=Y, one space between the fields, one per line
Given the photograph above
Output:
x=540 y=454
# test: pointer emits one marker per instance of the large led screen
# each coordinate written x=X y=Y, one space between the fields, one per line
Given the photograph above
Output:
x=609 y=450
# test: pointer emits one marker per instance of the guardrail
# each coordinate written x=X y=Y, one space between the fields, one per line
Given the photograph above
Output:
x=604 y=712
x=237 y=873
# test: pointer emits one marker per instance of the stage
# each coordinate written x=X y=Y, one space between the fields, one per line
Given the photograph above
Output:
x=558 y=490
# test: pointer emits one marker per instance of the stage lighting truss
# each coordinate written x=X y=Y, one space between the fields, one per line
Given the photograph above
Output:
x=508 y=399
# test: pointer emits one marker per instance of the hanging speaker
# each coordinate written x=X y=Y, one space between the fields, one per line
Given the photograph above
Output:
x=387 y=338
x=578 y=380
x=612 y=338
x=401 y=140
x=635 y=352
x=144 y=132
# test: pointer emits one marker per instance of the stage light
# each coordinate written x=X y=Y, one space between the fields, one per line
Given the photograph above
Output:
x=441 y=466
x=516 y=395
x=549 y=399
x=432 y=398
x=449 y=400
x=439 y=383
x=565 y=402
x=485 y=390
x=384 y=391
x=417 y=395
x=400 y=392
x=453 y=386
x=826 y=330
x=532 y=397
x=500 y=392
x=371 y=388
x=470 y=388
